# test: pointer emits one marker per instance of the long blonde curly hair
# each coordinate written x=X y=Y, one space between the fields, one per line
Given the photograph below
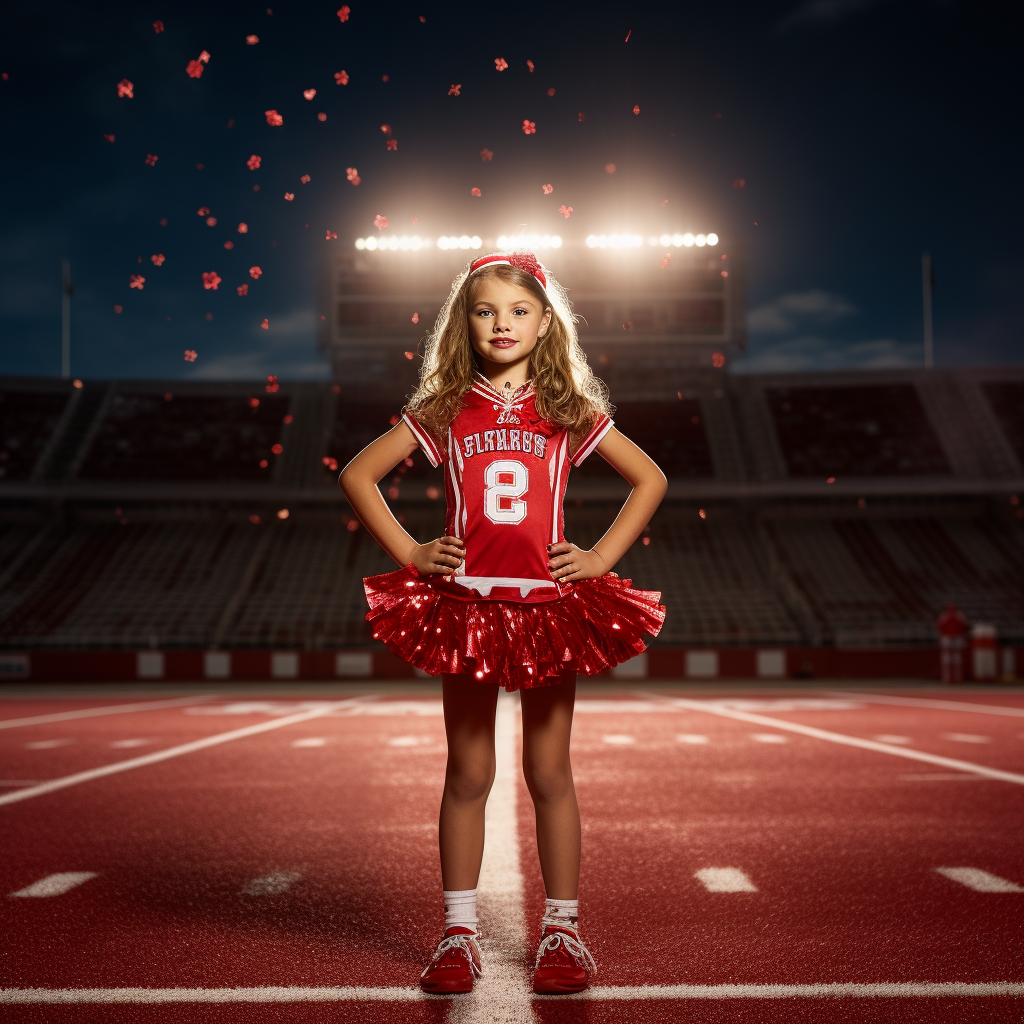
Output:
x=567 y=392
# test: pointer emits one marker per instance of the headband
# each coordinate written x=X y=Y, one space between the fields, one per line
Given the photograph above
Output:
x=522 y=260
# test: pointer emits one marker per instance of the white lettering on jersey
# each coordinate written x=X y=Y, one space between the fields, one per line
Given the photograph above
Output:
x=505 y=483
x=504 y=440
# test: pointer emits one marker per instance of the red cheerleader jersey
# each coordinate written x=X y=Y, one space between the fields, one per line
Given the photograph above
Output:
x=505 y=471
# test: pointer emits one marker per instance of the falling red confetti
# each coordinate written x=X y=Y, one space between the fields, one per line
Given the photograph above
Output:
x=703 y=514
x=305 y=179
x=565 y=211
x=190 y=355
x=831 y=480
x=582 y=116
x=646 y=541
x=393 y=420
x=309 y=93
x=380 y=222
x=124 y=89
x=353 y=175
x=289 y=196
x=474 y=192
x=136 y=281
x=392 y=144
x=229 y=244
x=636 y=108
x=422 y=19
x=628 y=34
x=486 y=154
x=109 y=138
x=500 y=63
x=344 y=12
x=415 y=318
x=328 y=236
x=551 y=91
x=664 y=202
x=151 y=159
x=739 y=183
x=265 y=325
x=277 y=449
x=386 y=129
x=330 y=463
x=609 y=168
x=273 y=385
x=666 y=259
x=158 y=259
x=211 y=222
x=209 y=316
x=252 y=40
x=529 y=128
x=321 y=116
x=264 y=463
x=282 y=513
x=242 y=289
x=117 y=309
x=204 y=57
x=409 y=355
x=210 y=280
x=254 y=272
x=194 y=69
x=724 y=273
x=158 y=27
x=547 y=189
x=453 y=89
x=341 y=77
x=530 y=65
x=253 y=162
x=274 y=119
x=254 y=519
x=203 y=211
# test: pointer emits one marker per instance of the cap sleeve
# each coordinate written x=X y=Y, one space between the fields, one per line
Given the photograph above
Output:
x=430 y=447
x=601 y=427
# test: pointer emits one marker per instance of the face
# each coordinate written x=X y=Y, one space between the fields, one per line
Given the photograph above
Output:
x=505 y=321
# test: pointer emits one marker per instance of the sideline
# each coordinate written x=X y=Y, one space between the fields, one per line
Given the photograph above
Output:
x=113 y=709
x=928 y=702
x=164 y=755
x=837 y=737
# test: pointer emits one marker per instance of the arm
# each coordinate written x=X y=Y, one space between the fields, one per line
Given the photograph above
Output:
x=568 y=562
x=359 y=482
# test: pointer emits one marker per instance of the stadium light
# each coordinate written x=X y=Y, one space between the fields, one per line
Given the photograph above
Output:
x=625 y=241
x=459 y=242
x=614 y=241
x=533 y=242
x=405 y=242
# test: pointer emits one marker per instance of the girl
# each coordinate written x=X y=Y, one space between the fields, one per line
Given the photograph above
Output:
x=506 y=402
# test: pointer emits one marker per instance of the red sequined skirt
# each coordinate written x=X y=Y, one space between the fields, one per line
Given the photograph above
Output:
x=595 y=624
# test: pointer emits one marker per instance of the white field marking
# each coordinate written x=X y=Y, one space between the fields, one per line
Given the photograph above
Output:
x=164 y=755
x=768 y=737
x=114 y=709
x=618 y=740
x=786 y=704
x=964 y=737
x=47 y=744
x=128 y=744
x=886 y=738
x=980 y=881
x=310 y=741
x=724 y=880
x=691 y=737
x=409 y=741
x=940 y=777
x=850 y=741
x=56 y=885
x=938 y=705
x=823 y=990
x=503 y=993
x=271 y=885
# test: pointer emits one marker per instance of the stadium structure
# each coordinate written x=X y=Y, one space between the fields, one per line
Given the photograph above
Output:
x=815 y=524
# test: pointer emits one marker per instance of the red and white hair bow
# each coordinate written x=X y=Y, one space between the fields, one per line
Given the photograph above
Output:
x=523 y=260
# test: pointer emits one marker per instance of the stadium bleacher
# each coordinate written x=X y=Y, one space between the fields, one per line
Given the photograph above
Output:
x=92 y=556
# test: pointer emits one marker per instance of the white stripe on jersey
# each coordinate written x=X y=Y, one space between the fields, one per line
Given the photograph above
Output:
x=593 y=439
x=484 y=584
x=557 y=463
x=424 y=440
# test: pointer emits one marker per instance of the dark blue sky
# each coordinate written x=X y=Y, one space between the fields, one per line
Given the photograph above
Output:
x=865 y=132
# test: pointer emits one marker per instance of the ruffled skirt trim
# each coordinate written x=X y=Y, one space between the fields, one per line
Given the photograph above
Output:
x=596 y=624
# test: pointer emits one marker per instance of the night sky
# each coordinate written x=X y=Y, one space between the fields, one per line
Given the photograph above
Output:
x=863 y=131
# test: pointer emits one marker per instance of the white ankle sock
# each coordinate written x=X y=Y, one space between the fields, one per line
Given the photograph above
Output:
x=563 y=912
x=460 y=908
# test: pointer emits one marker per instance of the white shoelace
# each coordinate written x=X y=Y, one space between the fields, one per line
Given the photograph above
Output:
x=467 y=944
x=570 y=939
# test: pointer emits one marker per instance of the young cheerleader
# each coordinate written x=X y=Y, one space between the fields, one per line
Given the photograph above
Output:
x=506 y=403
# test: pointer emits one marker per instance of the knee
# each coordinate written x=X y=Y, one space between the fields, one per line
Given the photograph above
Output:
x=547 y=782
x=469 y=781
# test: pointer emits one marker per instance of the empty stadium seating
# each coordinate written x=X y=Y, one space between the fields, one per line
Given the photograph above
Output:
x=27 y=422
x=1007 y=401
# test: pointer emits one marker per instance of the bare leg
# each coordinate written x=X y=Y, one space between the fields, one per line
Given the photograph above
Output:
x=547 y=725
x=469 y=708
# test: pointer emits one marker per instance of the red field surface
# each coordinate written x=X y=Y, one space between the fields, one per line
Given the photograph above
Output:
x=269 y=854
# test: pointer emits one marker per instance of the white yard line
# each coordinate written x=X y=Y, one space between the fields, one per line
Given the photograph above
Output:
x=296 y=994
x=928 y=702
x=164 y=755
x=849 y=741
x=979 y=880
x=56 y=885
x=502 y=995
x=114 y=709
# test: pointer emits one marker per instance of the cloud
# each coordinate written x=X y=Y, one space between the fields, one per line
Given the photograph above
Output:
x=798 y=310
x=822 y=12
x=811 y=352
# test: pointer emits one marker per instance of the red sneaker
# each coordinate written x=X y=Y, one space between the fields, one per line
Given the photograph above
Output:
x=563 y=964
x=454 y=965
